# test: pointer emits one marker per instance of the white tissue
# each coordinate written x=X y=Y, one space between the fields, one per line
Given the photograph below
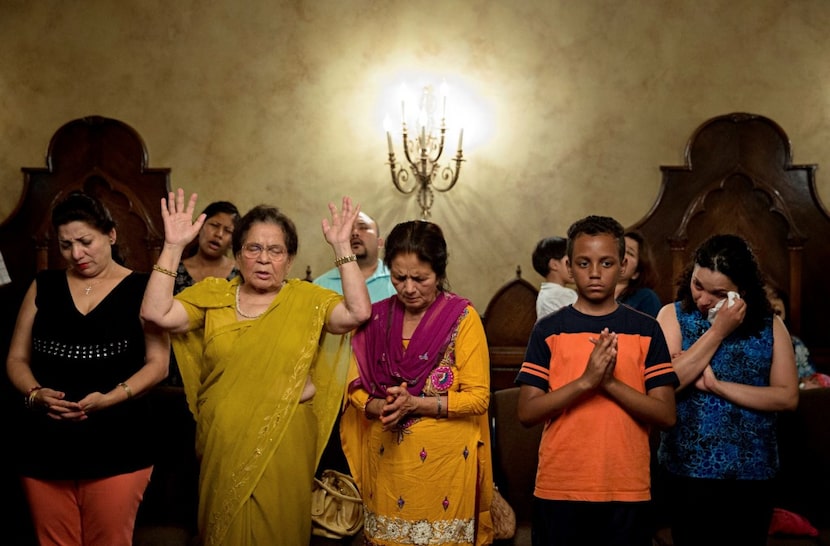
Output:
x=730 y=297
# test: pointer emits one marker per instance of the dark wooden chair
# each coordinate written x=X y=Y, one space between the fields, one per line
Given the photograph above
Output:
x=107 y=158
x=739 y=178
x=508 y=321
x=515 y=456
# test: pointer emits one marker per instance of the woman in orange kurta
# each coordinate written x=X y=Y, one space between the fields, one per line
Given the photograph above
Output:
x=415 y=429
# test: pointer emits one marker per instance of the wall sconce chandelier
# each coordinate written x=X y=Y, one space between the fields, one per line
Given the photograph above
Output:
x=423 y=151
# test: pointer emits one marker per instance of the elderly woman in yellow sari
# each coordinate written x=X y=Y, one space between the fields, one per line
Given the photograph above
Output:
x=262 y=366
x=415 y=431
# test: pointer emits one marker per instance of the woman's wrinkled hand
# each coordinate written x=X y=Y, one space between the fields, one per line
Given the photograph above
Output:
x=179 y=226
x=338 y=230
x=399 y=404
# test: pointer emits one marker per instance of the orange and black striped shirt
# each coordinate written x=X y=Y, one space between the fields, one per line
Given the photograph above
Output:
x=595 y=451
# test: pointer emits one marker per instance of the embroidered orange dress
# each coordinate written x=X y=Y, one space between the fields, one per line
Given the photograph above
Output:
x=431 y=481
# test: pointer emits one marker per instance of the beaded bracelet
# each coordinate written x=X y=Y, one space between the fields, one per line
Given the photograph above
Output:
x=345 y=259
x=157 y=267
x=127 y=389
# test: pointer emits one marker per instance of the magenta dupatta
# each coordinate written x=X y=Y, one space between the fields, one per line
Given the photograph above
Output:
x=378 y=344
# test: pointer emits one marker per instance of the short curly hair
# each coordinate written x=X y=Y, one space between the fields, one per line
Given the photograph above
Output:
x=596 y=225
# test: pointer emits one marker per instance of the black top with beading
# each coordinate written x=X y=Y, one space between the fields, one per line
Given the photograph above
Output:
x=79 y=354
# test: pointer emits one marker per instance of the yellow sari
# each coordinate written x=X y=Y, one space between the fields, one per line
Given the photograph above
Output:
x=243 y=381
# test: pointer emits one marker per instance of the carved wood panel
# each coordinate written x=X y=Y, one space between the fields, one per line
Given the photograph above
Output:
x=739 y=178
x=102 y=156
x=508 y=321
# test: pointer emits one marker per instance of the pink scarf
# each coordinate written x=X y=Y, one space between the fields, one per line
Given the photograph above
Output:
x=378 y=344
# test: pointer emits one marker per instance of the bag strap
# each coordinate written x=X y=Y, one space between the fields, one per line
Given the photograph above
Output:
x=330 y=476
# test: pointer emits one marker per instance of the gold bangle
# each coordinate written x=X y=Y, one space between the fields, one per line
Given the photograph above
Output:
x=31 y=396
x=127 y=389
x=345 y=259
x=157 y=267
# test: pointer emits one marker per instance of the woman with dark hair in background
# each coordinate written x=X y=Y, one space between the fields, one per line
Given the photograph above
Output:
x=735 y=361
x=635 y=288
x=210 y=256
x=81 y=357
x=415 y=431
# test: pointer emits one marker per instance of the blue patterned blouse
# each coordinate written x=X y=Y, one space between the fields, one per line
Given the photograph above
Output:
x=714 y=438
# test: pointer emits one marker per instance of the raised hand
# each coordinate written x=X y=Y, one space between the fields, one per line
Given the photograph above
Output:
x=179 y=227
x=338 y=230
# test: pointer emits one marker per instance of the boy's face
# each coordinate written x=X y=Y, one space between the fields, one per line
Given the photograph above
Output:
x=596 y=266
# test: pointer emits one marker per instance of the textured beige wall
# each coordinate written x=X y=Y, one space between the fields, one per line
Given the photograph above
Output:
x=571 y=106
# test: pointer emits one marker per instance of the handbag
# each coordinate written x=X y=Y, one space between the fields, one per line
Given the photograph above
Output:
x=503 y=516
x=336 y=506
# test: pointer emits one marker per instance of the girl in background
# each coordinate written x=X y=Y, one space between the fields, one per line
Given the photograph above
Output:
x=638 y=278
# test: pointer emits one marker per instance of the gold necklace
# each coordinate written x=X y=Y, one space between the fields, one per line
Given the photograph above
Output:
x=241 y=313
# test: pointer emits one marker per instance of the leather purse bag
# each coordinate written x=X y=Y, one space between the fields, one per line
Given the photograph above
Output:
x=503 y=516
x=336 y=506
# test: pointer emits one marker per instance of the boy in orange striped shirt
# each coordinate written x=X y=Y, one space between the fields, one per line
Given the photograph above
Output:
x=600 y=375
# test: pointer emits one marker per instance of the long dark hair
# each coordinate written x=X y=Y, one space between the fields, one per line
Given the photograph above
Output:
x=647 y=277
x=425 y=240
x=78 y=206
x=732 y=256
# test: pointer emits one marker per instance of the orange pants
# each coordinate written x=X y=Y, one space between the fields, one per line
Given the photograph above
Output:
x=86 y=512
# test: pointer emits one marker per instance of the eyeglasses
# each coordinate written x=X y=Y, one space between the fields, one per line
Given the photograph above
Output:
x=254 y=250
